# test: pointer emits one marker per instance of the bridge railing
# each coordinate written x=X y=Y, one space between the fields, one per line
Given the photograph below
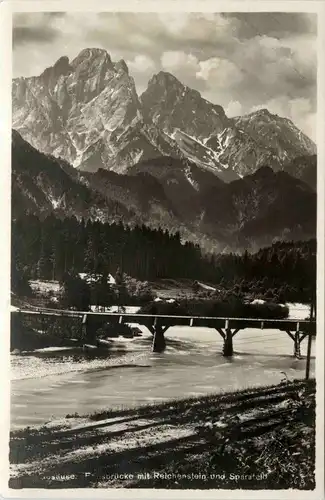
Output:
x=181 y=320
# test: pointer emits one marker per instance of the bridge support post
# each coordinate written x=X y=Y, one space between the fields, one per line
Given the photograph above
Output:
x=88 y=332
x=159 y=342
x=84 y=328
x=297 y=350
x=228 y=349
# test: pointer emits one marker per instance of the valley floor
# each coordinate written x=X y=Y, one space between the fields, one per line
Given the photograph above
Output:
x=261 y=438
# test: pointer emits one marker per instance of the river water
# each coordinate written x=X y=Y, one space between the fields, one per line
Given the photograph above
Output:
x=49 y=383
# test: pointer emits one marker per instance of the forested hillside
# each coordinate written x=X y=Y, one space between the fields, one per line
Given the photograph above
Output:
x=49 y=249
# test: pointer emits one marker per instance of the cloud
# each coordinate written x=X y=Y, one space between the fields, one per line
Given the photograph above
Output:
x=219 y=72
x=141 y=68
x=24 y=34
x=273 y=24
x=179 y=63
x=38 y=29
x=234 y=108
x=302 y=114
x=141 y=63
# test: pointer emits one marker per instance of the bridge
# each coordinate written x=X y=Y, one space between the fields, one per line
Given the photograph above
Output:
x=158 y=324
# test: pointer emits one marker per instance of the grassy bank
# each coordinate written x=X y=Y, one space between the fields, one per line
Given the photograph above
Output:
x=261 y=438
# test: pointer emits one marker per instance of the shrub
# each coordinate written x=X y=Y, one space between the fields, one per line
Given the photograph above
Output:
x=76 y=293
x=114 y=330
x=31 y=333
x=19 y=282
x=229 y=307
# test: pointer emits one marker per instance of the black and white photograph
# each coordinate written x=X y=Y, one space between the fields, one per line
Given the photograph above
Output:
x=163 y=253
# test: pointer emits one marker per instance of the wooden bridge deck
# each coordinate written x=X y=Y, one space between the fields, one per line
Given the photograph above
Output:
x=149 y=320
x=227 y=327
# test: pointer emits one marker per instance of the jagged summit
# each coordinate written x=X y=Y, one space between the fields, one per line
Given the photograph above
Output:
x=276 y=134
x=164 y=77
x=121 y=66
x=78 y=110
x=60 y=68
x=88 y=112
x=62 y=62
x=90 y=54
x=174 y=106
x=261 y=112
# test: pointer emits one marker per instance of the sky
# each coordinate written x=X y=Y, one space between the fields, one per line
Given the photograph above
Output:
x=242 y=61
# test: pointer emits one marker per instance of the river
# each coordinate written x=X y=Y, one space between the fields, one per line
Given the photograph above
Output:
x=49 y=383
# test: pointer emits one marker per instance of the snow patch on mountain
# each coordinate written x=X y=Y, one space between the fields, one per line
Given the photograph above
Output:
x=55 y=202
x=188 y=174
x=87 y=112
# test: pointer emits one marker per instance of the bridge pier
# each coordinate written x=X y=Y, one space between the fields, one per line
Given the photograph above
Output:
x=84 y=328
x=228 y=349
x=227 y=328
x=88 y=330
x=227 y=334
x=297 y=338
x=159 y=341
x=297 y=350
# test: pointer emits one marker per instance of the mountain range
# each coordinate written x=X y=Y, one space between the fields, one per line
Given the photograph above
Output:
x=87 y=112
x=85 y=144
x=170 y=193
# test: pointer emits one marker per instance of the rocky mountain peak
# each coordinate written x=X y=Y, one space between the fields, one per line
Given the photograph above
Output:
x=93 y=64
x=91 y=55
x=62 y=65
x=87 y=111
x=121 y=66
x=275 y=133
x=78 y=110
x=51 y=75
x=164 y=78
x=262 y=112
x=173 y=106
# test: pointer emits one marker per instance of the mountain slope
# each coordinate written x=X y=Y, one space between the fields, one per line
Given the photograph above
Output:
x=229 y=147
x=184 y=115
x=304 y=168
x=170 y=193
x=42 y=185
x=182 y=181
x=259 y=208
x=87 y=112
x=171 y=105
x=277 y=134
x=241 y=153
x=258 y=139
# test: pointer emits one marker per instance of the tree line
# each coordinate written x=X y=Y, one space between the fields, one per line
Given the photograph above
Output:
x=51 y=248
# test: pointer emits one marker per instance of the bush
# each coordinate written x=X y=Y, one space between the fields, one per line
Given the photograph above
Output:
x=230 y=307
x=114 y=330
x=76 y=293
x=28 y=334
x=136 y=292
x=19 y=282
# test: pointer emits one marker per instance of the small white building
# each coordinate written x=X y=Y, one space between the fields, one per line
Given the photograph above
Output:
x=96 y=277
